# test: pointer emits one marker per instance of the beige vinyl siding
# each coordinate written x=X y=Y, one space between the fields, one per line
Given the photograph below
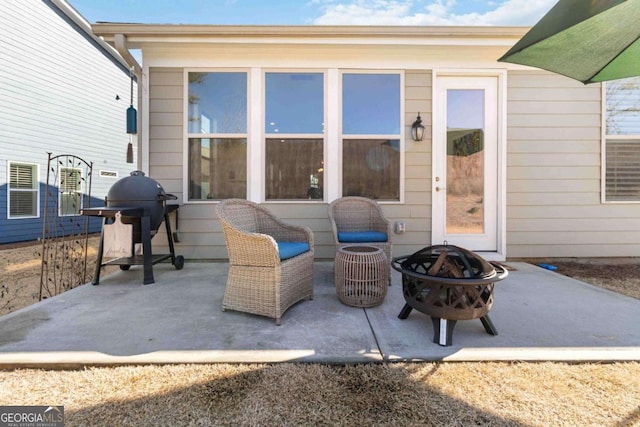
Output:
x=416 y=210
x=553 y=173
x=199 y=233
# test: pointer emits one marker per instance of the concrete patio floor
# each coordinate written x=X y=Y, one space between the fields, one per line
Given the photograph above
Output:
x=540 y=316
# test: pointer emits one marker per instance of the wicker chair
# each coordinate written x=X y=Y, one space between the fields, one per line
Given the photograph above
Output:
x=354 y=214
x=259 y=282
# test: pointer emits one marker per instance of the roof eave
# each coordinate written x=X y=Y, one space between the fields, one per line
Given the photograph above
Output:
x=154 y=33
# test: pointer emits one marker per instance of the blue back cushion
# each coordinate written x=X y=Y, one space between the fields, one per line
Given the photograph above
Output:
x=361 y=236
x=288 y=250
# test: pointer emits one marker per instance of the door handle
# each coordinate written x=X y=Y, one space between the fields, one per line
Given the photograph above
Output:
x=440 y=188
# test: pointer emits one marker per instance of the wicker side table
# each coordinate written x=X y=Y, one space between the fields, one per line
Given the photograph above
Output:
x=361 y=275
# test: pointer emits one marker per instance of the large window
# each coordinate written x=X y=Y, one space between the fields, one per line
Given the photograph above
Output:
x=70 y=196
x=622 y=144
x=371 y=118
x=270 y=135
x=294 y=130
x=23 y=190
x=217 y=134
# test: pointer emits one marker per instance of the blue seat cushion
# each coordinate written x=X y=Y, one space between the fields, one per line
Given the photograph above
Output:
x=288 y=250
x=361 y=236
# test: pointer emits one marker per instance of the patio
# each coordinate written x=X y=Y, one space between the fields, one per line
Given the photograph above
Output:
x=540 y=316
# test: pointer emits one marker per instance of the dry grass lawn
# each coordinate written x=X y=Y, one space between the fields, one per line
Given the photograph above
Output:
x=420 y=394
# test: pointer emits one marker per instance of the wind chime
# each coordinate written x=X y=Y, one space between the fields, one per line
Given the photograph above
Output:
x=132 y=122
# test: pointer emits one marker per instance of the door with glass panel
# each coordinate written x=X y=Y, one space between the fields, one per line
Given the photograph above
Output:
x=465 y=162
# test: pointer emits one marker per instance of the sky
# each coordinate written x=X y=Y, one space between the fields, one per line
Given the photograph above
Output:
x=316 y=12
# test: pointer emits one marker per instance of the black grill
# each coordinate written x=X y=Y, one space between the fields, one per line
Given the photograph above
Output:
x=141 y=202
x=139 y=191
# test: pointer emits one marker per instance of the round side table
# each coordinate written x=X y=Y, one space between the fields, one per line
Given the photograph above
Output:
x=361 y=275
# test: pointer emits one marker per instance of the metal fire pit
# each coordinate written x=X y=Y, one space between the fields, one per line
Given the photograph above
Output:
x=448 y=283
x=142 y=202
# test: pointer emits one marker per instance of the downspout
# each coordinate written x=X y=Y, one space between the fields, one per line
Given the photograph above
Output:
x=120 y=43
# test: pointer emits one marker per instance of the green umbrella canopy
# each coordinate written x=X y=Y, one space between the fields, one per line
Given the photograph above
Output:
x=590 y=41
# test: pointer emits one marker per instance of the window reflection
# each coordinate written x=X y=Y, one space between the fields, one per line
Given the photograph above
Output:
x=217 y=102
x=217 y=168
x=370 y=104
x=294 y=103
x=622 y=151
x=465 y=161
x=294 y=169
x=294 y=163
x=371 y=168
x=371 y=163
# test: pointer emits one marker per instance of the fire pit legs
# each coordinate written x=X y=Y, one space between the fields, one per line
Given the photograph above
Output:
x=443 y=331
x=488 y=325
x=443 y=328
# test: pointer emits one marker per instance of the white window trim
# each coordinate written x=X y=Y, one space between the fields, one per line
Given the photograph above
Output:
x=603 y=151
x=37 y=190
x=399 y=136
x=186 y=135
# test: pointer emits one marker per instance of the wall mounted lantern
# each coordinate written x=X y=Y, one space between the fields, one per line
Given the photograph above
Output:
x=417 y=129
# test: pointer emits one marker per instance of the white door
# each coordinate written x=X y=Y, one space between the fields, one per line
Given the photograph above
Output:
x=465 y=162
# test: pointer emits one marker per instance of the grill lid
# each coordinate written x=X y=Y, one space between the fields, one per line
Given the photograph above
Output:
x=449 y=261
x=136 y=188
x=139 y=191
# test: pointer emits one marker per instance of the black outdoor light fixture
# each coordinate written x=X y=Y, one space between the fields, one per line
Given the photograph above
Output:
x=417 y=129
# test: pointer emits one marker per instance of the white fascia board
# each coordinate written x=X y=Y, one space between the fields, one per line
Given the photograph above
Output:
x=139 y=35
x=141 y=41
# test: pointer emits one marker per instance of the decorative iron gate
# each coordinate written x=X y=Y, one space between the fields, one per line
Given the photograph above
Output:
x=64 y=231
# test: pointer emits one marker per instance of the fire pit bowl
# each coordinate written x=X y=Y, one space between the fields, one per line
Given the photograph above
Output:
x=448 y=283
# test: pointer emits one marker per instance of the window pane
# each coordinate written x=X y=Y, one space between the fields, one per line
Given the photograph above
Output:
x=371 y=168
x=23 y=190
x=70 y=204
x=294 y=103
x=465 y=210
x=371 y=104
x=622 y=174
x=23 y=204
x=622 y=179
x=70 y=179
x=623 y=107
x=70 y=200
x=217 y=102
x=217 y=168
x=294 y=169
x=22 y=176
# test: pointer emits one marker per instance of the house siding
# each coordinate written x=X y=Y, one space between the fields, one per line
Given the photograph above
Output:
x=552 y=200
x=554 y=163
x=553 y=174
x=59 y=92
